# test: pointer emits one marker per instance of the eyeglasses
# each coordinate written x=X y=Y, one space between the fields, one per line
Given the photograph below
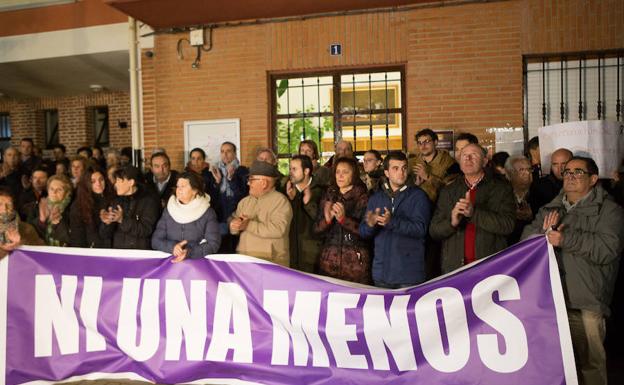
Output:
x=576 y=173
x=526 y=170
x=424 y=142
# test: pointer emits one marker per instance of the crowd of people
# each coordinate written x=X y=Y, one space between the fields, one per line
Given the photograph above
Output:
x=393 y=221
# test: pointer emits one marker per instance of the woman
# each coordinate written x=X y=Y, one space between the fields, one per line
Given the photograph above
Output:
x=188 y=227
x=373 y=170
x=130 y=220
x=14 y=232
x=344 y=254
x=93 y=194
x=10 y=173
x=53 y=220
x=518 y=171
x=197 y=161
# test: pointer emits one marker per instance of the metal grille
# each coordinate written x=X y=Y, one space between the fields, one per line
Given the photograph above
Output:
x=363 y=107
x=101 y=126
x=572 y=87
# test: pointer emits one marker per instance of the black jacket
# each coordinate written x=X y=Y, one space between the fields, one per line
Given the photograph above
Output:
x=140 y=214
x=167 y=191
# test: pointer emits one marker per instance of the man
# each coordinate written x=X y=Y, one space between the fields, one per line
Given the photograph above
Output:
x=586 y=228
x=29 y=160
x=342 y=149
x=549 y=186
x=430 y=165
x=321 y=174
x=59 y=152
x=161 y=179
x=474 y=214
x=263 y=218
x=229 y=186
x=397 y=218
x=463 y=139
x=535 y=157
x=304 y=195
x=29 y=199
x=265 y=154
x=78 y=167
x=85 y=152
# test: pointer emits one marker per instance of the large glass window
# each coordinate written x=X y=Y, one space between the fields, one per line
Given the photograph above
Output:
x=363 y=107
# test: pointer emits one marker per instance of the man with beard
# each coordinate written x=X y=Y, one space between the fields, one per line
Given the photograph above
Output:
x=430 y=165
x=397 y=217
x=304 y=195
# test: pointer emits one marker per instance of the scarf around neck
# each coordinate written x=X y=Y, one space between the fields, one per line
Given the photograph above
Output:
x=190 y=212
x=225 y=186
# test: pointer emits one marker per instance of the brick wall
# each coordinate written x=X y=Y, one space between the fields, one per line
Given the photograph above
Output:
x=75 y=122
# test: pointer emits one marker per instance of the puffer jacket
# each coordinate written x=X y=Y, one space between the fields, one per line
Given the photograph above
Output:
x=589 y=256
x=399 y=256
x=195 y=223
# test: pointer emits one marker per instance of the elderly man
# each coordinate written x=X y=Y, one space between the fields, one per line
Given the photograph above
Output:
x=263 y=218
x=397 y=218
x=304 y=195
x=549 y=186
x=430 y=165
x=474 y=214
x=586 y=229
x=342 y=149
x=267 y=155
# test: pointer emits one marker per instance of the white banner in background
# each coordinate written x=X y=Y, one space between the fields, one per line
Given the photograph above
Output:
x=601 y=140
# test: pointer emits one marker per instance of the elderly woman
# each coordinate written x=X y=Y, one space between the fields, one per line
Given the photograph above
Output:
x=13 y=232
x=344 y=254
x=518 y=170
x=53 y=220
x=188 y=228
x=93 y=194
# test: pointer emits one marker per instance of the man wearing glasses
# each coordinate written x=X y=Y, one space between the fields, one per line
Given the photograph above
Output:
x=430 y=165
x=263 y=218
x=586 y=229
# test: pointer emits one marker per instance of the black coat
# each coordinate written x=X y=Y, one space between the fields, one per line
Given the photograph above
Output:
x=140 y=214
x=544 y=191
x=167 y=191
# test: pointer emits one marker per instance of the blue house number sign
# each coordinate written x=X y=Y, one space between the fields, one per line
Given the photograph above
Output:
x=335 y=49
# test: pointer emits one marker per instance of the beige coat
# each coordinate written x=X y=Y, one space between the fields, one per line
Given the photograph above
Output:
x=266 y=235
x=437 y=172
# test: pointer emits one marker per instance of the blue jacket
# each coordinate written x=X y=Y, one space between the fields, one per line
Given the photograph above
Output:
x=399 y=256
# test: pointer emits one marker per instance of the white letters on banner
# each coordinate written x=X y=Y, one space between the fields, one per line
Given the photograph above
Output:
x=440 y=317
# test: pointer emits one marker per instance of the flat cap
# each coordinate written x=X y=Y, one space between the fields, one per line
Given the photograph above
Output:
x=259 y=167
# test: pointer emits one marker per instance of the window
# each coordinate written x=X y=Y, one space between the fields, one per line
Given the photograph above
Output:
x=5 y=126
x=51 y=126
x=5 y=132
x=100 y=126
x=363 y=107
x=573 y=87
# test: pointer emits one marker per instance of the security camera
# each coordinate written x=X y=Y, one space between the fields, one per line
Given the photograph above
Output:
x=149 y=54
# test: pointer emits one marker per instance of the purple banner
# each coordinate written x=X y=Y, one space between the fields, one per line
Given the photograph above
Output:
x=88 y=314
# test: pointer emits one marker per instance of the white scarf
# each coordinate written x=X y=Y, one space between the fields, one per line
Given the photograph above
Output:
x=190 y=212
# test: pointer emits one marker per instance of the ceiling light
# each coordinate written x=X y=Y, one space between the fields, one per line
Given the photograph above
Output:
x=96 y=88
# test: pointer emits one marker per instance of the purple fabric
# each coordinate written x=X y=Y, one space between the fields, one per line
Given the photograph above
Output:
x=527 y=263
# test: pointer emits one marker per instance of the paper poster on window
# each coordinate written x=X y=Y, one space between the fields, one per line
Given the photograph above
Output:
x=601 y=140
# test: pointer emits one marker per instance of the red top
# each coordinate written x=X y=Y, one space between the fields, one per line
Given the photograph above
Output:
x=470 y=233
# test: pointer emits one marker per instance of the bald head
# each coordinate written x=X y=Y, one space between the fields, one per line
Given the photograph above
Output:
x=558 y=159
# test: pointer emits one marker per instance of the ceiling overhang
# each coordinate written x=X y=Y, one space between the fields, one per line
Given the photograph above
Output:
x=164 y=14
